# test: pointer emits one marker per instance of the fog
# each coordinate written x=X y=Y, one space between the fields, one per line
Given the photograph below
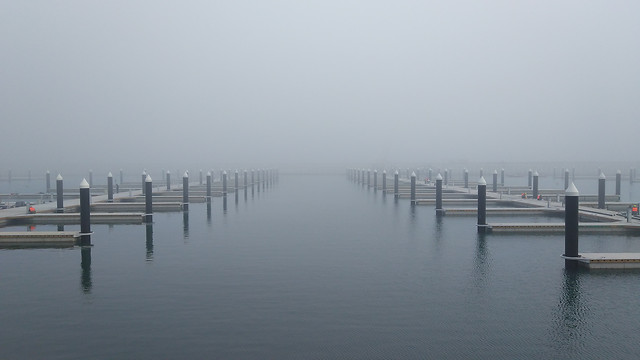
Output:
x=99 y=84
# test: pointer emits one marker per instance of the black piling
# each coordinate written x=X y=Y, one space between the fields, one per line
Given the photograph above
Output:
x=121 y=177
x=369 y=178
x=413 y=188
x=482 y=205
x=245 y=178
x=571 y=196
x=466 y=178
x=618 y=182
x=530 y=179
x=224 y=182
x=235 y=181
x=48 y=181
x=502 y=177
x=85 y=214
x=168 y=180
x=110 y=187
x=601 y=188
x=535 y=185
x=384 y=182
x=396 y=192
x=209 y=186
x=144 y=179
x=90 y=178
x=59 y=195
x=446 y=176
x=495 y=181
x=185 y=191
x=375 y=180
x=439 y=209
x=430 y=175
x=200 y=176
x=566 y=179
x=252 y=177
x=148 y=200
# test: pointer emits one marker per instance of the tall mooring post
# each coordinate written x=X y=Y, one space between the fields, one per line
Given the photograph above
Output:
x=235 y=181
x=601 y=184
x=85 y=214
x=185 y=191
x=224 y=182
x=446 y=176
x=396 y=192
x=439 y=209
x=502 y=177
x=48 y=181
x=245 y=178
x=530 y=178
x=535 y=185
x=144 y=178
x=466 y=178
x=495 y=181
x=413 y=188
x=168 y=180
x=571 y=217
x=110 y=187
x=430 y=174
x=90 y=178
x=369 y=178
x=375 y=180
x=384 y=182
x=209 y=186
x=59 y=195
x=618 y=182
x=148 y=200
x=200 y=177
x=252 y=177
x=566 y=179
x=482 y=205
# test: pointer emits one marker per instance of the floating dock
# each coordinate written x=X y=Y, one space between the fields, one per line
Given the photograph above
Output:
x=608 y=260
x=38 y=239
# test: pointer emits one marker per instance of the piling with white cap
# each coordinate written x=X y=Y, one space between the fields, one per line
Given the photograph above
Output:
x=535 y=184
x=566 y=179
x=224 y=182
x=466 y=178
x=144 y=178
x=85 y=214
x=369 y=178
x=168 y=180
x=396 y=192
x=375 y=180
x=413 y=188
x=59 y=194
x=148 y=200
x=601 y=190
x=185 y=191
x=200 y=176
x=384 y=182
x=235 y=181
x=446 y=176
x=618 y=182
x=482 y=205
x=502 y=177
x=439 y=209
x=530 y=179
x=110 y=187
x=48 y=181
x=208 y=186
x=571 y=197
x=244 y=173
x=495 y=181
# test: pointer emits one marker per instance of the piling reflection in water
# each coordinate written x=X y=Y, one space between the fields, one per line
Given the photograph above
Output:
x=481 y=261
x=60 y=227
x=149 y=233
x=185 y=225
x=208 y=211
x=570 y=321
x=224 y=204
x=85 y=264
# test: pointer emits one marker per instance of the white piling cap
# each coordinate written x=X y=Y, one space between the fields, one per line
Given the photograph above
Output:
x=49 y=172
x=439 y=177
x=109 y=174
x=168 y=172
x=186 y=174
x=144 y=172
x=375 y=171
x=397 y=173
x=571 y=190
x=84 y=184
x=225 y=172
x=502 y=169
x=618 y=172
x=482 y=181
x=536 y=173
x=148 y=179
x=236 y=171
x=59 y=177
x=602 y=175
x=413 y=174
x=495 y=172
x=465 y=170
x=208 y=173
x=384 y=171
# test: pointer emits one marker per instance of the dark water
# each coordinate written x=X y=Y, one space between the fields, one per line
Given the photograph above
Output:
x=315 y=267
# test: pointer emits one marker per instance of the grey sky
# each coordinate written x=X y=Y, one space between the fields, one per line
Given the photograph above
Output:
x=273 y=82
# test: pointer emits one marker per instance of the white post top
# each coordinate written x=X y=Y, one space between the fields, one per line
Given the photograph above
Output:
x=84 y=184
x=59 y=177
x=618 y=172
x=208 y=173
x=236 y=171
x=384 y=171
x=148 y=178
x=375 y=171
x=168 y=172
x=49 y=172
x=413 y=174
x=144 y=172
x=465 y=170
x=439 y=177
x=482 y=181
x=602 y=175
x=186 y=174
x=502 y=169
x=571 y=190
x=495 y=172
x=225 y=172
x=536 y=173
x=397 y=173
x=109 y=174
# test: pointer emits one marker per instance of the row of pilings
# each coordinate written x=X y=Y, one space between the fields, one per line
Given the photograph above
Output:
x=571 y=201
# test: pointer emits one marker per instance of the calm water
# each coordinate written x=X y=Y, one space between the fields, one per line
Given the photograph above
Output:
x=315 y=267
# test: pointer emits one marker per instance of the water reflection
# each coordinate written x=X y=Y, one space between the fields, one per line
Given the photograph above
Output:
x=236 y=198
x=85 y=264
x=185 y=225
x=60 y=227
x=149 y=233
x=224 y=204
x=570 y=319
x=209 y=211
x=482 y=263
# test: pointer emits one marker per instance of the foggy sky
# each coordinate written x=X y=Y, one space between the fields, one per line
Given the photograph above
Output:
x=273 y=82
